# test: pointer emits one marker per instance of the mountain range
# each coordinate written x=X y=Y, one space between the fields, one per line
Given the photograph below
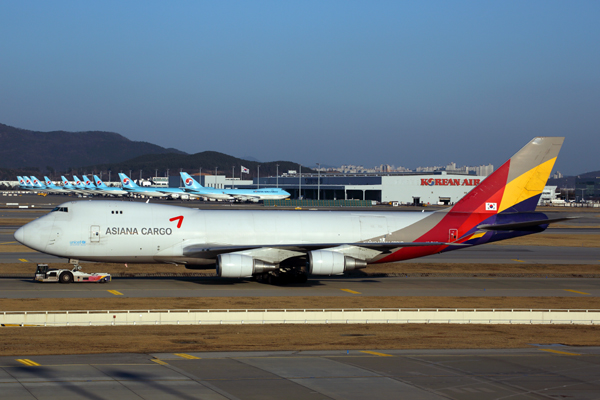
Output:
x=25 y=152
x=60 y=150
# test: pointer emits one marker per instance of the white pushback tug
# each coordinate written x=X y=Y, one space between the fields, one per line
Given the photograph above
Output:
x=45 y=274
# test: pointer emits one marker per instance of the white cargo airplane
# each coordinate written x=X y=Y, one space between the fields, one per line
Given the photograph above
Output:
x=291 y=244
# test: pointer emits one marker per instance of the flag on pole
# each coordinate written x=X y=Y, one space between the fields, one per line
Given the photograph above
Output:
x=245 y=170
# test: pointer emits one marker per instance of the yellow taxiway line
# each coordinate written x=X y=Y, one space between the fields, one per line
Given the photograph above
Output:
x=28 y=362
x=115 y=292
x=575 y=291
x=564 y=353
x=376 y=353
x=188 y=356
x=350 y=291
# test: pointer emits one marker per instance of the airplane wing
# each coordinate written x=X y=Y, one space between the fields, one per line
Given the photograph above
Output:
x=212 y=251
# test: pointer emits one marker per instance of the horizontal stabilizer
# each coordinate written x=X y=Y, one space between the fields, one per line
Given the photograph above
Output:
x=521 y=225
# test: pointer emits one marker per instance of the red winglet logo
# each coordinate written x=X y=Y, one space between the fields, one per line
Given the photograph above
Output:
x=180 y=219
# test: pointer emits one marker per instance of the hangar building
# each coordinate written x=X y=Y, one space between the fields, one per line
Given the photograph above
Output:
x=406 y=188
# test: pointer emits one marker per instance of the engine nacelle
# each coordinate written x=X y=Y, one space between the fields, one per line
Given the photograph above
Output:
x=323 y=262
x=240 y=266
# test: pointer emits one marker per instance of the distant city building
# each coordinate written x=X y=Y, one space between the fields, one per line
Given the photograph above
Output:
x=451 y=168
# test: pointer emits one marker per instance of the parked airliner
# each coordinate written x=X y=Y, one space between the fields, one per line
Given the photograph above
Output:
x=193 y=187
x=132 y=188
x=272 y=245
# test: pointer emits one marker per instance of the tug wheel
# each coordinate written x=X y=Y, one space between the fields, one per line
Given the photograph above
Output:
x=66 y=277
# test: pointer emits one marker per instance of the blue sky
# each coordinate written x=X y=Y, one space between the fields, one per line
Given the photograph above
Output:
x=403 y=83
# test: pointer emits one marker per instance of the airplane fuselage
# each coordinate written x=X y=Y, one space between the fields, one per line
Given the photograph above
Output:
x=116 y=231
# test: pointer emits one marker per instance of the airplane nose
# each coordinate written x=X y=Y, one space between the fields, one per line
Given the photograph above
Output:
x=20 y=234
x=35 y=234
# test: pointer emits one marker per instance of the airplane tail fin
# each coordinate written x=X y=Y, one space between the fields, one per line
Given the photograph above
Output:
x=48 y=181
x=87 y=182
x=127 y=183
x=35 y=182
x=189 y=182
x=518 y=184
x=501 y=207
x=77 y=181
x=99 y=182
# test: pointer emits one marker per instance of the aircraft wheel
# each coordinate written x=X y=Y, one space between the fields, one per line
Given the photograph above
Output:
x=66 y=277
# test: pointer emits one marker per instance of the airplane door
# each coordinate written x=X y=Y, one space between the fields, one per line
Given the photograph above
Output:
x=453 y=235
x=95 y=234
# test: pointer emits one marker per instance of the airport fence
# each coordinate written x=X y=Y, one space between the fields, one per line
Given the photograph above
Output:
x=300 y=316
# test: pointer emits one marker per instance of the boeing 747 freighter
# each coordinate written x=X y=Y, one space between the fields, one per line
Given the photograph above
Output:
x=272 y=245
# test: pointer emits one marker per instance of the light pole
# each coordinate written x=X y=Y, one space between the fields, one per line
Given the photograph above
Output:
x=232 y=175
x=258 y=180
x=216 y=173
x=319 y=181
x=300 y=183
x=200 y=176
x=140 y=175
x=277 y=177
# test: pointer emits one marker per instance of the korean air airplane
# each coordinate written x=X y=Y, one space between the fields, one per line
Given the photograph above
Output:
x=289 y=245
x=132 y=188
x=76 y=187
x=66 y=185
x=88 y=184
x=102 y=188
x=23 y=183
x=47 y=186
x=52 y=188
x=36 y=185
x=193 y=187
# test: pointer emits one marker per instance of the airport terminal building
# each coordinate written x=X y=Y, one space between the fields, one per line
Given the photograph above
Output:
x=405 y=188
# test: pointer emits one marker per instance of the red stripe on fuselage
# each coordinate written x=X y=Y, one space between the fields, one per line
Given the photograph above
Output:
x=469 y=212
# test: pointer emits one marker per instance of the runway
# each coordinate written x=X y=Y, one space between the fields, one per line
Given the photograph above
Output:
x=542 y=371
x=334 y=286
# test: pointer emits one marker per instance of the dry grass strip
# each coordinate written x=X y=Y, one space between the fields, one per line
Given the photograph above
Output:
x=28 y=341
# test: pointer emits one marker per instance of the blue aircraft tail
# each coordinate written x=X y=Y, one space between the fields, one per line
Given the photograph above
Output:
x=65 y=182
x=127 y=183
x=35 y=182
x=99 y=182
x=48 y=182
x=189 y=182
x=88 y=183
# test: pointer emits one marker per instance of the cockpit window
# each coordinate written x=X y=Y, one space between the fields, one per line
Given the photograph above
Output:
x=60 y=209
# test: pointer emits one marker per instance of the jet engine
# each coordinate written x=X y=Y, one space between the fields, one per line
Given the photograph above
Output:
x=239 y=266
x=323 y=262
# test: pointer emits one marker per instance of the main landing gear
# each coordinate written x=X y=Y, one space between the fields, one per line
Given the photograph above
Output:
x=282 y=277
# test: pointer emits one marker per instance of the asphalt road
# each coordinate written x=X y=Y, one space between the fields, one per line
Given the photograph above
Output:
x=485 y=254
x=542 y=371
x=333 y=286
